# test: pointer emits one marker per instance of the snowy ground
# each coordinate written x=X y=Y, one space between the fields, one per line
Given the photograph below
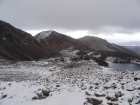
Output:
x=68 y=83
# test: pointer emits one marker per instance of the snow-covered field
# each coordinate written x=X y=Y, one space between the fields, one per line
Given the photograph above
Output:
x=51 y=82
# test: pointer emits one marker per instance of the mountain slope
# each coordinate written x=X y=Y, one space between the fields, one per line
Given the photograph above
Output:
x=134 y=48
x=55 y=41
x=16 y=44
x=95 y=43
x=98 y=44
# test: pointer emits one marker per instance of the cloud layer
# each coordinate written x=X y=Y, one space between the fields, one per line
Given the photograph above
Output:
x=97 y=16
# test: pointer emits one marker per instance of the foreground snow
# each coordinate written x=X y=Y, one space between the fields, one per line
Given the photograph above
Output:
x=69 y=84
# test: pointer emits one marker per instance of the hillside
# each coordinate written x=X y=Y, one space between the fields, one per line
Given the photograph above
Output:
x=16 y=44
x=54 y=41
x=53 y=82
x=134 y=48
x=98 y=44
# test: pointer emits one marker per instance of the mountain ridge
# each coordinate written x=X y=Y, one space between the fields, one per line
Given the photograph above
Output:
x=134 y=48
x=16 y=44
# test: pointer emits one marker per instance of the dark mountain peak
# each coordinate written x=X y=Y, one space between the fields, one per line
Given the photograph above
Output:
x=16 y=44
x=9 y=32
x=3 y=23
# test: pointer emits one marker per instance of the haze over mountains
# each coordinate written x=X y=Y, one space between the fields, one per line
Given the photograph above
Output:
x=132 y=45
x=16 y=44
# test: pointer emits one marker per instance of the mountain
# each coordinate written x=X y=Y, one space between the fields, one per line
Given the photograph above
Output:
x=98 y=44
x=131 y=43
x=16 y=44
x=134 y=48
x=55 y=41
x=95 y=43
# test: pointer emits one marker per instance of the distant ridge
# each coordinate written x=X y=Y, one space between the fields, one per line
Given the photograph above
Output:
x=55 y=41
x=134 y=48
x=60 y=41
x=16 y=44
x=131 y=43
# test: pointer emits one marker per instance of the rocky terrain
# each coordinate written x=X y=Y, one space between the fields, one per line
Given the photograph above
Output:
x=30 y=73
x=61 y=81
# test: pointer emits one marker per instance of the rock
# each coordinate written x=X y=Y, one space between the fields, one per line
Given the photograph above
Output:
x=118 y=94
x=86 y=57
x=136 y=78
x=4 y=88
x=39 y=95
x=94 y=101
x=110 y=103
x=114 y=99
x=99 y=95
x=4 y=96
x=114 y=86
x=107 y=87
x=34 y=98
x=108 y=98
x=88 y=94
x=57 y=85
x=130 y=89
x=138 y=102
x=46 y=93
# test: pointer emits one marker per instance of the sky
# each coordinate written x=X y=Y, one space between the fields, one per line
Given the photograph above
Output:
x=113 y=20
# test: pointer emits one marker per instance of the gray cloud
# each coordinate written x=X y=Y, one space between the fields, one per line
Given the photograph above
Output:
x=98 y=16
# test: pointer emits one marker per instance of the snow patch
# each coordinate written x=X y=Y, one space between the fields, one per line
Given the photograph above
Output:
x=43 y=35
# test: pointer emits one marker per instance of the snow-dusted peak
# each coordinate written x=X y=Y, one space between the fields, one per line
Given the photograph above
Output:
x=43 y=35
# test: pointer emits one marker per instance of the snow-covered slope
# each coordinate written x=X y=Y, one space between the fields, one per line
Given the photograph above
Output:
x=68 y=83
x=43 y=35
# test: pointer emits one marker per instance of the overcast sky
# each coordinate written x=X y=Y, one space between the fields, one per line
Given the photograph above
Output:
x=114 y=20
